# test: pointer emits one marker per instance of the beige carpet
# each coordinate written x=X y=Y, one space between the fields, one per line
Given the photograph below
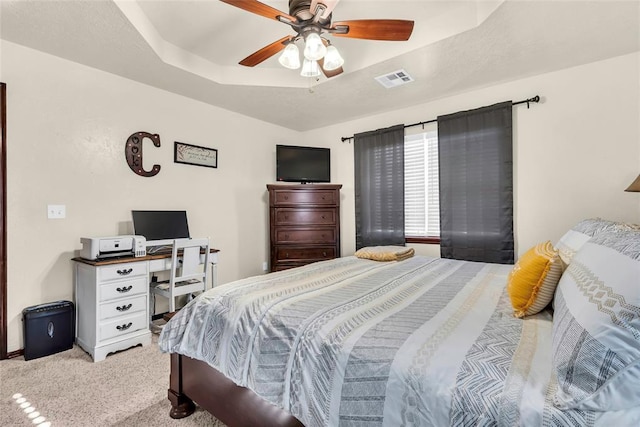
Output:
x=129 y=388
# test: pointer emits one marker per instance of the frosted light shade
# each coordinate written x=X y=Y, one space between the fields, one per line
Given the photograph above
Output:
x=310 y=69
x=290 y=57
x=332 y=60
x=314 y=49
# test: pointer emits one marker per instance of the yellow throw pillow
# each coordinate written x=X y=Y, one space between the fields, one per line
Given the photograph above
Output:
x=533 y=280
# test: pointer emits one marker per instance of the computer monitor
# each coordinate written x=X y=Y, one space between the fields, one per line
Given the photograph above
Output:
x=160 y=227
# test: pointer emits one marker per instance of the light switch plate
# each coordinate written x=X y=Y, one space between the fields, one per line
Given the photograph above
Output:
x=56 y=211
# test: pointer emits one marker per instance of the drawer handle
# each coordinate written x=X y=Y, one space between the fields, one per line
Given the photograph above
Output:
x=324 y=254
x=323 y=217
x=124 y=327
x=125 y=289
x=286 y=255
x=125 y=272
x=286 y=236
x=124 y=307
x=286 y=197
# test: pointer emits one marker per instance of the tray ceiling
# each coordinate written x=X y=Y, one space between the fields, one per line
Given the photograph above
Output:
x=192 y=48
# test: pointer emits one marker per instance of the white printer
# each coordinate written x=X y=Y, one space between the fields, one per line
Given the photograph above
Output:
x=108 y=247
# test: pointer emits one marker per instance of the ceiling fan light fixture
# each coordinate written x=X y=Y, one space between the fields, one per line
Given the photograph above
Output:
x=310 y=19
x=314 y=49
x=290 y=57
x=332 y=60
x=310 y=69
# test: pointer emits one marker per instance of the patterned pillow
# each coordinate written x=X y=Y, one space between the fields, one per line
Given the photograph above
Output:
x=533 y=280
x=572 y=240
x=596 y=325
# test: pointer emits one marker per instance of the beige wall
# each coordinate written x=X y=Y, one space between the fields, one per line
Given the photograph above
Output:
x=66 y=131
x=67 y=126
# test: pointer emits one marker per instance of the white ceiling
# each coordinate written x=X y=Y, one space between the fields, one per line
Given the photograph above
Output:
x=192 y=48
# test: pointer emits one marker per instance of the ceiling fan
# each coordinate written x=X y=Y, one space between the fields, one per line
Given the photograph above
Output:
x=310 y=19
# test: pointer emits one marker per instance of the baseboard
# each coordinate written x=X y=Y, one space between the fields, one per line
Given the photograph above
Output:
x=15 y=354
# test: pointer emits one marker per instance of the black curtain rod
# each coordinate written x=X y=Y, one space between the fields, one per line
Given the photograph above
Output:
x=525 y=101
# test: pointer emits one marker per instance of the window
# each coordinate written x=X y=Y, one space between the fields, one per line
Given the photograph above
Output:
x=422 y=202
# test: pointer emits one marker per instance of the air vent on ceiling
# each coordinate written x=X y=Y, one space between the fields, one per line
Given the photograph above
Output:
x=394 y=79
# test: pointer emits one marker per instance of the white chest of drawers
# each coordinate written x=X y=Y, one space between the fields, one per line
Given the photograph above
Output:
x=112 y=303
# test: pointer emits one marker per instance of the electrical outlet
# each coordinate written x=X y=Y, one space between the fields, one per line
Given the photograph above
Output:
x=56 y=211
x=265 y=266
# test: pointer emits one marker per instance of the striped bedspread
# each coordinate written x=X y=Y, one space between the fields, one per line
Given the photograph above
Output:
x=354 y=342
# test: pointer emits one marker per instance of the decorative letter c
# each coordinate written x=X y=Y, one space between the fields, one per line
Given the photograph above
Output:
x=133 y=153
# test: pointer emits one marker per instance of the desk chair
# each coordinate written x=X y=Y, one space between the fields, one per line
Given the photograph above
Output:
x=188 y=271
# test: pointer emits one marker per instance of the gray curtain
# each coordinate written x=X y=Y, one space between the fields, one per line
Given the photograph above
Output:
x=476 y=184
x=379 y=187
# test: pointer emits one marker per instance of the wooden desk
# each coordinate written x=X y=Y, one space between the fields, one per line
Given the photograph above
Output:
x=156 y=262
x=112 y=301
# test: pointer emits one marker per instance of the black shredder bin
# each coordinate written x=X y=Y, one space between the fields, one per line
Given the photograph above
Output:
x=48 y=328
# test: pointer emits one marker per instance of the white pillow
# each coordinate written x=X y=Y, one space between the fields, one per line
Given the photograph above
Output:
x=596 y=325
x=579 y=234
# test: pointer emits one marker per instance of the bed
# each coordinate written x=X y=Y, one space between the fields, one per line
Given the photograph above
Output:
x=419 y=342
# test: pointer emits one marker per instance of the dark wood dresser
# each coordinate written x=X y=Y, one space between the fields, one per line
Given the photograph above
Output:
x=305 y=224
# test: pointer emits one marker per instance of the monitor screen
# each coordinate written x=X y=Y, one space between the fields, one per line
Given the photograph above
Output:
x=160 y=225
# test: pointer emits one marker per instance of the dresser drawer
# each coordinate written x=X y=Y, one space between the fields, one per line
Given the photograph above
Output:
x=123 y=307
x=123 y=325
x=289 y=254
x=123 y=288
x=291 y=216
x=301 y=235
x=302 y=197
x=288 y=265
x=121 y=271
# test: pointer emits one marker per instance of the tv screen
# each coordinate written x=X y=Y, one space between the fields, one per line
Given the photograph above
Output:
x=302 y=164
x=160 y=225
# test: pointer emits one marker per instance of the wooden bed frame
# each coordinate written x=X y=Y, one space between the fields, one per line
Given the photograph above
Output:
x=192 y=381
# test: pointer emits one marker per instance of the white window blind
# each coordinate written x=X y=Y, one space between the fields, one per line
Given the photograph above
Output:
x=422 y=202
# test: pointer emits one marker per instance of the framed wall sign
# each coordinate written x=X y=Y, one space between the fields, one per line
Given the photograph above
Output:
x=195 y=155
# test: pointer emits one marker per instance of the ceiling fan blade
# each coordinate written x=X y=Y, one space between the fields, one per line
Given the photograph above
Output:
x=266 y=52
x=261 y=9
x=329 y=73
x=374 y=29
x=328 y=5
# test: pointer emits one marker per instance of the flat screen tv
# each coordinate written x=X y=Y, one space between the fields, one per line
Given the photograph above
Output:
x=302 y=164
x=160 y=227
